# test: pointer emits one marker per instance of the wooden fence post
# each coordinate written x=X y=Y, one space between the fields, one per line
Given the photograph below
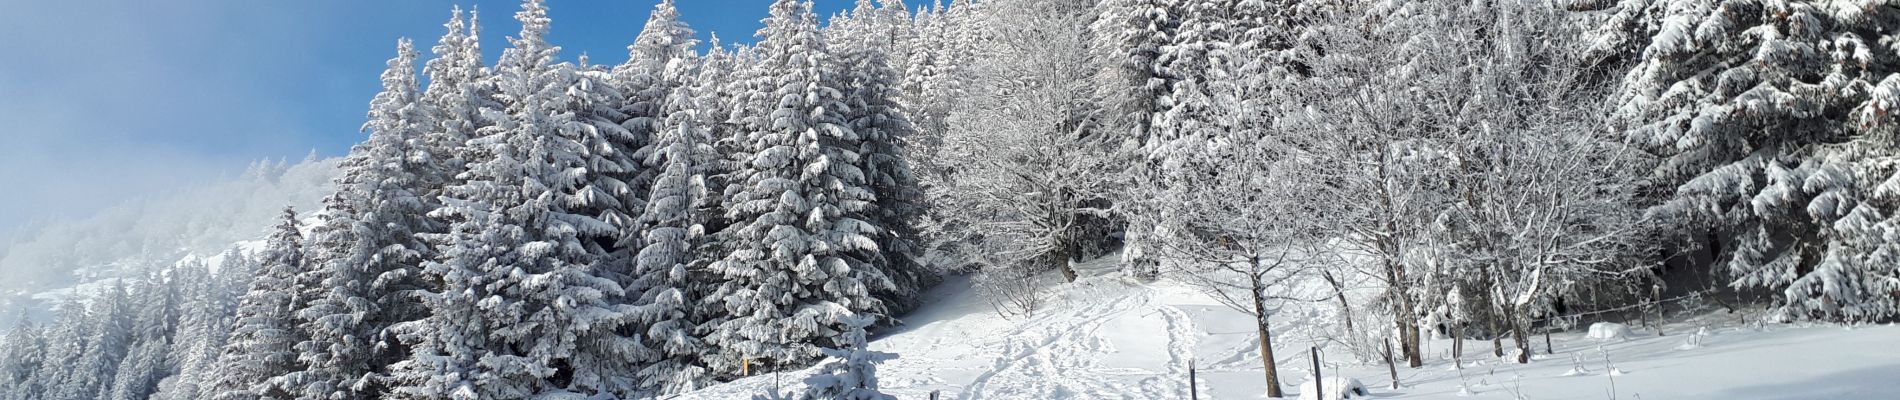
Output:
x=1194 y=389
x=1390 y=367
x=1319 y=387
x=1656 y=292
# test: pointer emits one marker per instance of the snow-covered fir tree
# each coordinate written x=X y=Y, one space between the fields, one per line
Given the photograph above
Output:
x=643 y=80
x=1131 y=35
x=366 y=249
x=851 y=371
x=264 y=334
x=800 y=238
x=154 y=323
x=614 y=199
x=522 y=309
x=109 y=339
x=459 y=90
x=204 y=324
x=65 y=345
x=1772 y=123
x=139 y=374
x=22 y=352
x=671 y=268
x=670 y=264
x=872 y=89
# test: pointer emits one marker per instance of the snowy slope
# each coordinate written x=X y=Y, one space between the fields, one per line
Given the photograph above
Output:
x=154 y=232
x=1106 y=337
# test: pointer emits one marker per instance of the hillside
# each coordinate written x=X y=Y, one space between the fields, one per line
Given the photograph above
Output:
x=1108 y=337
x=156 y=231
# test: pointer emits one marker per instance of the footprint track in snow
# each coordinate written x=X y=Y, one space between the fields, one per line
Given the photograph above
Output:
x=1054 y=355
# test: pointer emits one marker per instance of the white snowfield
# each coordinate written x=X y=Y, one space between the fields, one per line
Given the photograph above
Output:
x=1106 y=337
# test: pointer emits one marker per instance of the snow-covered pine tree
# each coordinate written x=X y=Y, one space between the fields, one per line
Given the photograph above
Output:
x=716 y=103
x=1130 y=36
x=747 y=99
x=873 y=111
x=937 y=69
x=1174 y=100
x=672 y=280
x=670 y=259
x=66 y=343
x=644 y=79
x=140 y=372
x=922 y=78
x=522 y=310
x=851 y=373
x=931 y=91
x=856 y=29
x=110 y=339
x=261 y=350
x=800 y=239
x=450 y=357
x=1196 y=61
x=616 y=186
x=155 y=321
x=157 y=299
x=648 y=79
x=966 y=26
x=22 y=351
x=613 y=193
x=203 y=326
x=366 y=250
x=464 y=95
x=883 y=26
x=1773 y=123
x=459 y=89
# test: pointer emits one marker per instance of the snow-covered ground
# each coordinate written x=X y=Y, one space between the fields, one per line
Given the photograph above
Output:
x=1107 y=337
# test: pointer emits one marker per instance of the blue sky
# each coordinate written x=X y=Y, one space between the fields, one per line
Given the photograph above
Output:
x=101 y=100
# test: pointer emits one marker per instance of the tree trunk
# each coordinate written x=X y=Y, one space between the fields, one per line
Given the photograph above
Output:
x=1061 y=258
x=1518 y=337
x=1402 y=307
x=1458 y=342
x=1497 y=336
x=1266 y=337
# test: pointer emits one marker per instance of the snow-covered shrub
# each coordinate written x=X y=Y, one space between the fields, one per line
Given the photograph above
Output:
x=851 y=373
x=1013 y=291
x=1608 y=330
x=1336 y=388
